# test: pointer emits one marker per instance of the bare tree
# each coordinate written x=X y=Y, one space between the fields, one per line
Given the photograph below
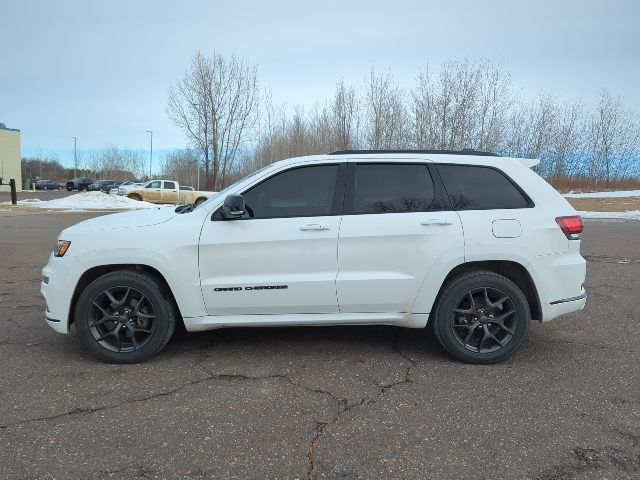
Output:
x=216 y=105
x=386 y=117
x=614 y=138
x=345 y=117
x=181 y=165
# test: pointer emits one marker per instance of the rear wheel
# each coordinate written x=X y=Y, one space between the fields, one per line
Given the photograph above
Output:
x=481 y=317
x=124 y=317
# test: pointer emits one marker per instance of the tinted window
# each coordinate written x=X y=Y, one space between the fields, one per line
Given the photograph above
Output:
x=480 y=188
x=301 y=192
x=170 y=185
x=393 y=188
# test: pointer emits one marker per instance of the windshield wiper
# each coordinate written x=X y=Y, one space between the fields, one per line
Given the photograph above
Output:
x=184 y=208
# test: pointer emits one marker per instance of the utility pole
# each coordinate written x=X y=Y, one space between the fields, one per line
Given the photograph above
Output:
x=150 y=153
x=75 y=157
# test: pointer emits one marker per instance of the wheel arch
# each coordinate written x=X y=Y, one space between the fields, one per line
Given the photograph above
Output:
x=96 y=272
x=514 y=271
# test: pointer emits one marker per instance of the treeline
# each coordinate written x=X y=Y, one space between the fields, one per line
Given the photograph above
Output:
x=110 y=163
x=464 y=104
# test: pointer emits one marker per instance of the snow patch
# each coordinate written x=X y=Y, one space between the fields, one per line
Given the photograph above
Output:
x=631 y=215
x=87 y=201
x=619 y=194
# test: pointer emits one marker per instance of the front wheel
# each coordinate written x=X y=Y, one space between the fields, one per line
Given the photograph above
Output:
x=124 y=317
x=135 y=196
x=481 y=317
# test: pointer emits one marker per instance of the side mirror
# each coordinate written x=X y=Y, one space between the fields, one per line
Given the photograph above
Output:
x=233 y=207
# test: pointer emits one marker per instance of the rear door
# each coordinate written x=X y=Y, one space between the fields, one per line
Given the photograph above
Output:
x=394 y=230
x=169 y=192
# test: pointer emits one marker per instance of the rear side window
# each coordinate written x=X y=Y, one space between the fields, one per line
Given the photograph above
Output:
x=480 y=188
x=393 y=188
x=170 y=185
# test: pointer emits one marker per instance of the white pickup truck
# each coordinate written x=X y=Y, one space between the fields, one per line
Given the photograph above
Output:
x=166 y=191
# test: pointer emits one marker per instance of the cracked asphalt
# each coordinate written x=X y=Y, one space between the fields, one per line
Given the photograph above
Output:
x=322 y=403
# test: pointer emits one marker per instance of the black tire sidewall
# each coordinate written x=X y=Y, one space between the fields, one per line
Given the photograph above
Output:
x=447 y=302
x=147 y=286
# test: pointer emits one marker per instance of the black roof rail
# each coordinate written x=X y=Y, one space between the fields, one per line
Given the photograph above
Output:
x=466 y=151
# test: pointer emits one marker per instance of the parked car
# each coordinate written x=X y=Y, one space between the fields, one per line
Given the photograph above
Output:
x=47 y=185
x=101 y=185
x=127 y=186
x=475 y=244
x=79 y=183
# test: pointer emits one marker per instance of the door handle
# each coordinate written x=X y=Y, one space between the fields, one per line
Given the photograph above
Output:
x=314 y=226
x=436 y=221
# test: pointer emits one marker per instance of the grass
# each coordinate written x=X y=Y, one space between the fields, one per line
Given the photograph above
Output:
x=584 y=184
x=624 y=204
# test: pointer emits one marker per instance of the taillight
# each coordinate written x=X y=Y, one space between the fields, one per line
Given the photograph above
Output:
x=571 y=226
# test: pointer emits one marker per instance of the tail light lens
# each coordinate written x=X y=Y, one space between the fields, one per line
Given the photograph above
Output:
x=571 y=226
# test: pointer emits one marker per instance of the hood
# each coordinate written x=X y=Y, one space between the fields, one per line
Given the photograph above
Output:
x=137 y=218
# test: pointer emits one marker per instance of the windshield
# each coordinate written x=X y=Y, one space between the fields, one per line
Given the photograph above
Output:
x=223 y=193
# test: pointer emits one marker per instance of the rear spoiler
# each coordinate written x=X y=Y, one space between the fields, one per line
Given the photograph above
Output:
x=529 y=162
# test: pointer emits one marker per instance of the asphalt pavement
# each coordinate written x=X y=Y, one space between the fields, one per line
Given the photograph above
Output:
x=326 y=403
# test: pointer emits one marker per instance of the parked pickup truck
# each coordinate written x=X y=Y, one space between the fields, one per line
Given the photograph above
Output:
x=167 y=191
x=79 y=183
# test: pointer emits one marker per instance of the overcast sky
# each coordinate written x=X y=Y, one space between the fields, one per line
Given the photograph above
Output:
x=100 y=71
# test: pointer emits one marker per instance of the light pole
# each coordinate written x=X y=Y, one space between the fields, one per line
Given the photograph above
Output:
x=75 y=157
x=150 y=153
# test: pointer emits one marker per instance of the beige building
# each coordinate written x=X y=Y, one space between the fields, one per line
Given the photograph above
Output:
x=10 y=157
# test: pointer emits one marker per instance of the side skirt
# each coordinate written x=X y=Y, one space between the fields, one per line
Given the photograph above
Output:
x=210 y=322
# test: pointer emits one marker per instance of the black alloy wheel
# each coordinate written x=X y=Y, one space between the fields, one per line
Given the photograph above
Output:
x=122 y=319
x=484 y=320
x=481 y=317
x=125 y=316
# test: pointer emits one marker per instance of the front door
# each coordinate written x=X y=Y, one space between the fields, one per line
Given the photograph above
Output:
x=282 y=257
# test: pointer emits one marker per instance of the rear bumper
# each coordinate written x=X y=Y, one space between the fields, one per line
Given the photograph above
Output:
x=559 y=281
x=560 y=307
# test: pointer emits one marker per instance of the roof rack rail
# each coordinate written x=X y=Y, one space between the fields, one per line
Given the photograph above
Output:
x=466 y=151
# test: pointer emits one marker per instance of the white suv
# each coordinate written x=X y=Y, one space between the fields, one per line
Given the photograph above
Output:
x=476 y=244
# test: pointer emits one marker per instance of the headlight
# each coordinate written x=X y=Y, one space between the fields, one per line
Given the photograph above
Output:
x=61 y=248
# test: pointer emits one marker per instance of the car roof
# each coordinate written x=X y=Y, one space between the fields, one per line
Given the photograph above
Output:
x=467 y=157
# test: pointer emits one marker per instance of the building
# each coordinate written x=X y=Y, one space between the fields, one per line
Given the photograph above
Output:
x=10 y=157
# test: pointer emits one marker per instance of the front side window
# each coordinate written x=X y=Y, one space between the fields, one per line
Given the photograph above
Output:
x=480 y=188
x=393 y=188
x=155 y=184
x=300 y=192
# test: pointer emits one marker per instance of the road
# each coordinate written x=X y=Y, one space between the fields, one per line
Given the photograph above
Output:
x=326 y=403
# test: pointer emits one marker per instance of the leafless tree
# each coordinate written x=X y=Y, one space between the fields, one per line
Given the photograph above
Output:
x=216 y=105
x=116 y=163
x=614 y=139
x=345 y=117
x=181 y=165
x=385 y=113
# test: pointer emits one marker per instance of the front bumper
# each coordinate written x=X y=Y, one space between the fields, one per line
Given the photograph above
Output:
x=60 y=276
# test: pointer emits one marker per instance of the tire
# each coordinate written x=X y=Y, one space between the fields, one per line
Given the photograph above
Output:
x=135 y=196
x=45 y=188
x=481 y=317
x=69 y=189
x=200 y=200
x=144 y=323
